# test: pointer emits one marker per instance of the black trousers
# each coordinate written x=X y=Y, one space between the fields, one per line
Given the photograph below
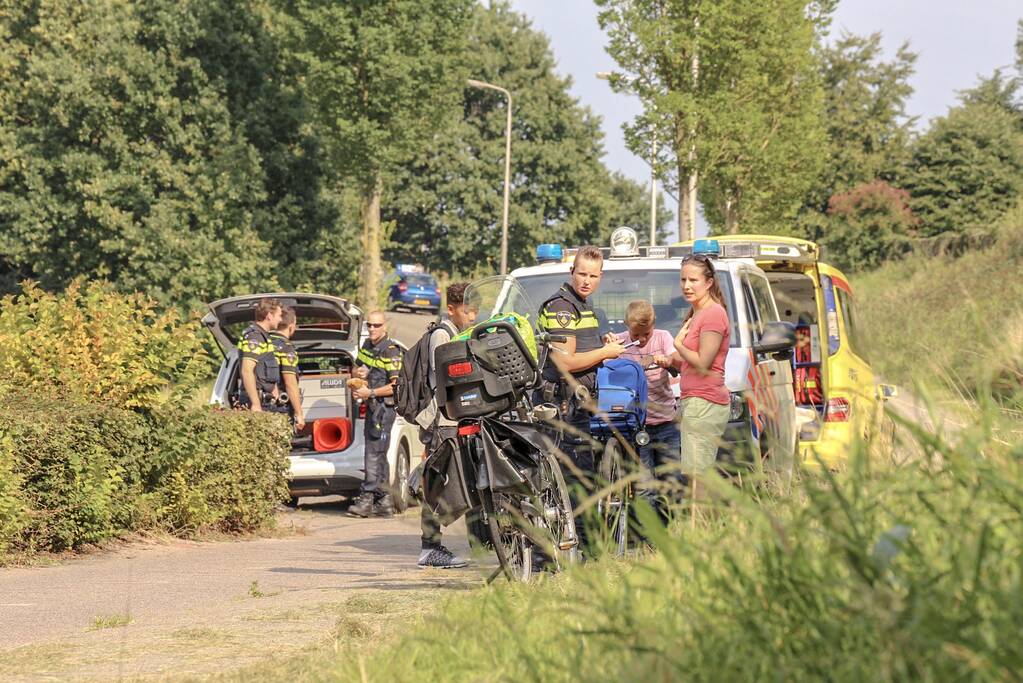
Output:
x=428 y=521
x=377 y=433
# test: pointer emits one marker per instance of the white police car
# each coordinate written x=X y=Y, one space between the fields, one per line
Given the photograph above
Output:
x=327 y=340
x=758 y=372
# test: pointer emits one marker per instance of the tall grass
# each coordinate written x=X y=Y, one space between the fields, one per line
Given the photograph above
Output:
x=882 y=572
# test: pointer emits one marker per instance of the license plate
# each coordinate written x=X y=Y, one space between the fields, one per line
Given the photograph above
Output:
x=422 y=302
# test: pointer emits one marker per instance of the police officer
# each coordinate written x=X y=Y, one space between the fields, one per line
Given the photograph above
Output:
x=287 y=362
x=260 y=370
x=570 y=375
x=379 y=363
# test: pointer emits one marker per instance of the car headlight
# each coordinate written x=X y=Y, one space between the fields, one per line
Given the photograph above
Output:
x=736 y=406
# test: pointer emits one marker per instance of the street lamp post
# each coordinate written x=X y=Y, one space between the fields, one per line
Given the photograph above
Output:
x=507 y=170
x=606 y=76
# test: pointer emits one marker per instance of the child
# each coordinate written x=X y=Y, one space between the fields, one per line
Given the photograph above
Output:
x=654 y=351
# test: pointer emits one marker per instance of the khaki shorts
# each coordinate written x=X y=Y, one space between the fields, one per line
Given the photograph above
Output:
x=703 y=424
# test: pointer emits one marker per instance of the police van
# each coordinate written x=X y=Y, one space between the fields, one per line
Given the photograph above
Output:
x=327 y=457
x=758 y=372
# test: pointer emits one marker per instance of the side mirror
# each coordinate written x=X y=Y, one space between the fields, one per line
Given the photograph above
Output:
x=778 y=337
x=887 y=391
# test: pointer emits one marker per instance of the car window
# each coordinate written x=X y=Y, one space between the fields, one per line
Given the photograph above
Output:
x=756 y=325
x=617 y=288
x=421 y=280
x=766 y=306
x=852 y=327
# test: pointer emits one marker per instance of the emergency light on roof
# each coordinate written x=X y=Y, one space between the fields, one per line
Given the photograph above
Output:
x=548 y=253
x=708 y=247
x=624 y=242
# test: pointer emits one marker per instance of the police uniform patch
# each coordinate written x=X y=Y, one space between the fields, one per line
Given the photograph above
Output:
x=564 y=318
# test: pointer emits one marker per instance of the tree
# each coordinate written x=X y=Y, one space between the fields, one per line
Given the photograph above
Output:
x=868 y=225
x=445 y=203
x=731 y=86
x=382 y=76
x=118 y=158
x=868 y=134
x=966 y=170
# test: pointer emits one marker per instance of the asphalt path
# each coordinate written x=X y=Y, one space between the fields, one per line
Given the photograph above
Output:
x=173 y=607
x=408 y=327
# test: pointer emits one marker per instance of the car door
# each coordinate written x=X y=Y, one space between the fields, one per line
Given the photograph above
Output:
x=850 y=376
x=774 y=377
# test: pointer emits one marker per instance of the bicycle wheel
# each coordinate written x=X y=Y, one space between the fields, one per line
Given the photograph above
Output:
x=556 y=523
x=614 y=507
x=512 y=545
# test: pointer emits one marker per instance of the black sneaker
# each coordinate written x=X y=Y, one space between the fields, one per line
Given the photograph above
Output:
x=440 y=557
x=363 y=506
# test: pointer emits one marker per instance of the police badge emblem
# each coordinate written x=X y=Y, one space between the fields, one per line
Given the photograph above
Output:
x=563 y=318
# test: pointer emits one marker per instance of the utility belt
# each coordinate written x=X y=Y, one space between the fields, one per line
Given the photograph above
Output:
x=569 y=399
x=267 y=398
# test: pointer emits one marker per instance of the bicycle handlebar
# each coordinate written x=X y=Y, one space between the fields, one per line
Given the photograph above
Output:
x=547 y=338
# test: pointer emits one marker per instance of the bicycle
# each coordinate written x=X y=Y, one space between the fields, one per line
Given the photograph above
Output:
x=502 y=460
x=618 y=425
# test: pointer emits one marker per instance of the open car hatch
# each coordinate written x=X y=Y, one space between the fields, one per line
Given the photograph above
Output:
x=324 y=322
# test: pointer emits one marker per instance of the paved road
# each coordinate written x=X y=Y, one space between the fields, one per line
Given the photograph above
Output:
x=408 y=327
x=205 y=607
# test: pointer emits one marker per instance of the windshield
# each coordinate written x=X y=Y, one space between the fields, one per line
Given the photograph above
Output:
x=421 y=280
x=619 y=287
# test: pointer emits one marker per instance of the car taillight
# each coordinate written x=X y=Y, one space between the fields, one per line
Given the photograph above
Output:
x=468 y=430
x=460 y=369
x=837 y=411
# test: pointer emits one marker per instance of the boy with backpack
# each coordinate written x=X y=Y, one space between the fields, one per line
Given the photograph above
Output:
x=417 y=401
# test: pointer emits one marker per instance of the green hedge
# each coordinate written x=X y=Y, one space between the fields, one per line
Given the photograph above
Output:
x=73 y=474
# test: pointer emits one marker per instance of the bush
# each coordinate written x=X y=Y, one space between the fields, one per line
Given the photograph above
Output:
x=219 y=470
x=868 y=225
x=72 y=474
x=90 y=343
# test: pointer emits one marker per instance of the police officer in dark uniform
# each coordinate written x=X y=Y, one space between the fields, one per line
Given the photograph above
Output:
x=289 y=395
x=570 y=375
x=379 y=362
x=260 y=370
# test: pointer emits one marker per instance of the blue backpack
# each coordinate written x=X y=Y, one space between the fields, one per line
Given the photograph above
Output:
x=621 y=399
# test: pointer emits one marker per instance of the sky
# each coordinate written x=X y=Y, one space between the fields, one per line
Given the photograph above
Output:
x=956 y=41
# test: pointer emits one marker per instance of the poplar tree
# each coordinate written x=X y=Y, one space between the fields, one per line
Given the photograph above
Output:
x=730 y=92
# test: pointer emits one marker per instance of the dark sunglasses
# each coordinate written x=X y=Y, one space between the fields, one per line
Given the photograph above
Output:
x=702 y=258
x=375 y=324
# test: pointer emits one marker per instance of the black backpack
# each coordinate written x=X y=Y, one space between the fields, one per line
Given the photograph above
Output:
x=414 y=393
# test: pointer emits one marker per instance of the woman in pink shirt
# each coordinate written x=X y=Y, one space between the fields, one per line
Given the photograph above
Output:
x=660 y=457
x=702 y=345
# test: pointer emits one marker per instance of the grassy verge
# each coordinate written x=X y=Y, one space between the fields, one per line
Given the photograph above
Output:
x=880 y=573
x=950 y=323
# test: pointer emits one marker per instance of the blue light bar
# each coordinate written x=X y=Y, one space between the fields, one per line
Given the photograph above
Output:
x=709 y=247
x=548 y=253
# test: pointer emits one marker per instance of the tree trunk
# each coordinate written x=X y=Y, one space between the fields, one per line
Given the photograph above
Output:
x=371 y=245
x=731 y=216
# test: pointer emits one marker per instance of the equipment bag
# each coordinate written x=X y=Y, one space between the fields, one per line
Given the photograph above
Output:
x=414 y=392
x=448 y=487
x=621 y=398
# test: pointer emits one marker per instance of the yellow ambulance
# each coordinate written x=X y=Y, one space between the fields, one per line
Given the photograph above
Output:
x=837 y=394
